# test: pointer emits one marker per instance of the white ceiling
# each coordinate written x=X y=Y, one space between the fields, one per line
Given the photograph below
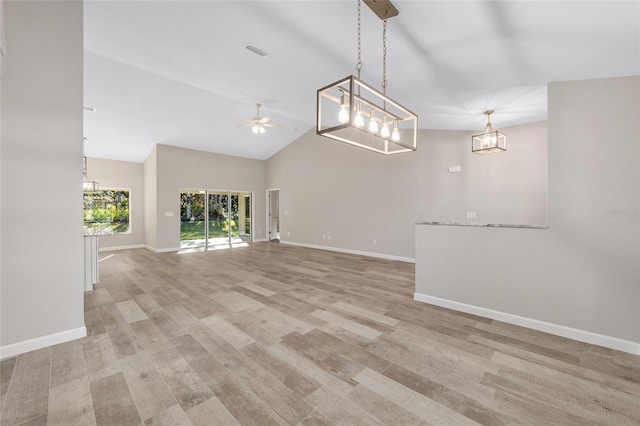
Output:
x=177 y=72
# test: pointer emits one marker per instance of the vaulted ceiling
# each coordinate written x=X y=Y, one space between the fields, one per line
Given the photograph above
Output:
x=177 y=72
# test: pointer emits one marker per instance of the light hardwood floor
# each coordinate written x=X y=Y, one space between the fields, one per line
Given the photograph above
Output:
x=273 y=334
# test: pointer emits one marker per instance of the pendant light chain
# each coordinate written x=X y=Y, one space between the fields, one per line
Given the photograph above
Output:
x=359 y=64
x=384 y=56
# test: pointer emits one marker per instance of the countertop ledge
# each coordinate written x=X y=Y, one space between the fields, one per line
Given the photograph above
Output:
x=485 y=225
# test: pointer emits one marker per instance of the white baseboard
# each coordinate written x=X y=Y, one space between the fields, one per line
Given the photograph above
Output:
x=259 y=240
x=14 y=349
x=164 y=250
x=349 y=251
x=559 y=330
x=167 y=250
x=134 y=246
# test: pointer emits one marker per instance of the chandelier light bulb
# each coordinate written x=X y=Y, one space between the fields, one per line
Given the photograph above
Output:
x=261 y=130
x=359 y=120
x=255 y=129
x=385 y=127
x=489 y=141
x=395 y=133
x=89 y=185
x=343 y=115
x=373 y=123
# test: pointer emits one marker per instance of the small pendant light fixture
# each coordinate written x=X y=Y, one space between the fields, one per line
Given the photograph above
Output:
x=351 y=111
x=88 y=185
x=490 y=141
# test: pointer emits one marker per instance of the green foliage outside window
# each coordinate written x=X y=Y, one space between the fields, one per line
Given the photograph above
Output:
x=106 y=211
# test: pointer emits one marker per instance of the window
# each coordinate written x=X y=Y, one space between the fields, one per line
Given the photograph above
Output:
x=106 y=211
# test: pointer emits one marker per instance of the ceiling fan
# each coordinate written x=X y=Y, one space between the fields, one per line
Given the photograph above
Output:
x=258 y=124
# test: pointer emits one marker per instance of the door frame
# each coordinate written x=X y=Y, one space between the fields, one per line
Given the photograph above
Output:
x=268 y=203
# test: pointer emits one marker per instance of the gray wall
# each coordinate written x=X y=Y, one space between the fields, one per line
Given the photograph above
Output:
x=584 y=271
x=41 y=165
x=356 y=196
x=183 y=169
x=124 y=175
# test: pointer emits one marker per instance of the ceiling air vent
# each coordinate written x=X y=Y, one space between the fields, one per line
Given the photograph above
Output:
x=256 y=50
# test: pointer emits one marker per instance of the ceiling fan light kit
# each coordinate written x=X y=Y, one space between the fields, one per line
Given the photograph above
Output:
x=257 y=123
x=351 y=111
x=490 y=141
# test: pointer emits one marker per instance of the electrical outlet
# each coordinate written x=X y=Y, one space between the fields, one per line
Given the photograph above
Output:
x=375 y=242
x=455 y=169
x=329 y=237
x=288 y=233
x=324 y=237
x=472 y=215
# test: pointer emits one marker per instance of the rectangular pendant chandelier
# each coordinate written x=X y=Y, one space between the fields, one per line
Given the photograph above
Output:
x=353 y=112
x=88 y=185
x=490 y=141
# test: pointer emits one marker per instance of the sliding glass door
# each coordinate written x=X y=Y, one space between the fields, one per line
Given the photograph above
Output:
x=215 y=219
x=218 y=218
x=240 y=216
x=192 y=219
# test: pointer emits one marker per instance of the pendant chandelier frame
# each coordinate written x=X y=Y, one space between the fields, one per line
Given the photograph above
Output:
x=343 y=106
x=489 y=142
x=88 y=185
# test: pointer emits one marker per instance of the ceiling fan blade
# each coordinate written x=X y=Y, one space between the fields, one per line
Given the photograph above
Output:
x=263 y=120
x=279 y=126
x=244 y=119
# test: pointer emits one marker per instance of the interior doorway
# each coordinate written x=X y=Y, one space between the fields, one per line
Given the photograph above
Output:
x=273 y=214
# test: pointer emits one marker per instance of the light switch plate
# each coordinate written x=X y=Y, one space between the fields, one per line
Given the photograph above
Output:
x=472 y=215
x=168 y=214
x=455 y=169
